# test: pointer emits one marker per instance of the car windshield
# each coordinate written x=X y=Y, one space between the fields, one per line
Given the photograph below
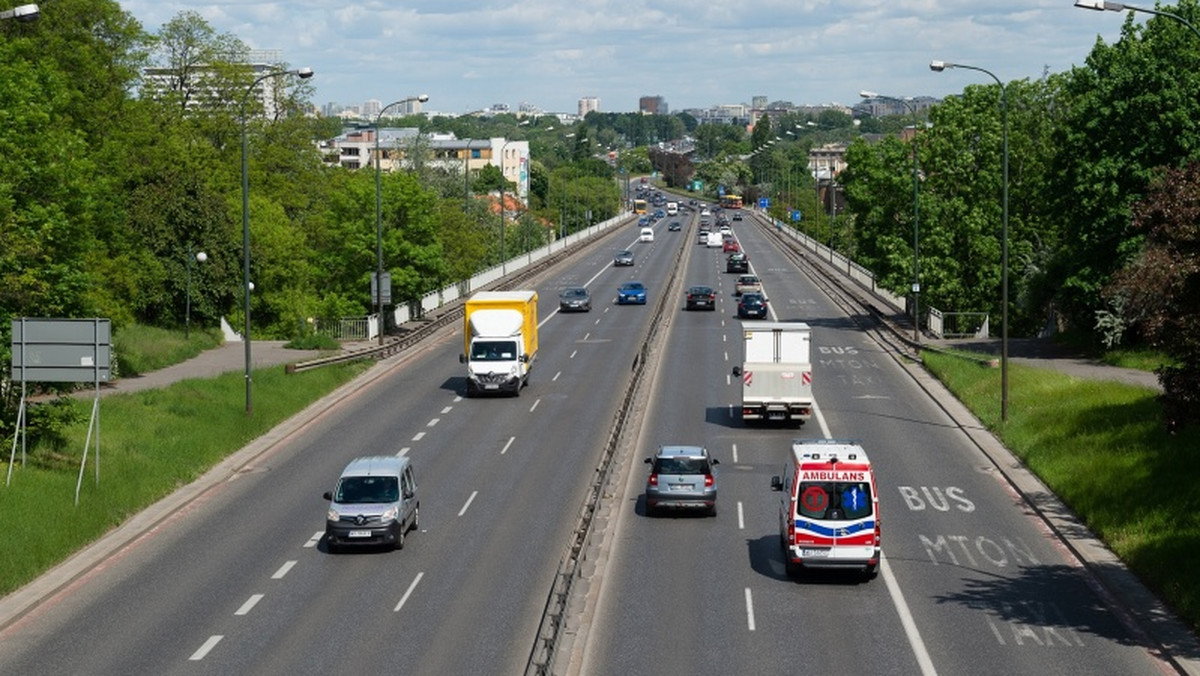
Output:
x=494 y=350
x=632 y=286
x=681 y=465
x=834 y=500
x=357 y=490
x=700 y=291
x=574 y=293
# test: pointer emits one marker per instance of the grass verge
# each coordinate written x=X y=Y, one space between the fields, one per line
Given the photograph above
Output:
x=153 y=442
x=140 y=349
x=1102 y=448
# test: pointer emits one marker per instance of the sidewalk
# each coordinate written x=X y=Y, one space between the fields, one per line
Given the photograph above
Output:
x=1046 y=354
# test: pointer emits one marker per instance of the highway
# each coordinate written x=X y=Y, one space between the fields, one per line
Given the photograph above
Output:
x=239 y=582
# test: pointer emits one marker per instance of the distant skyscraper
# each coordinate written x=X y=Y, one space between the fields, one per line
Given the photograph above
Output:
x=758 y=103
x=653 y=105
x=587 y=104
x=371 y=108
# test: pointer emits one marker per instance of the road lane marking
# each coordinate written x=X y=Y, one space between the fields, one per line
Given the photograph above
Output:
x=404 y=451
x=249 y=604
x=468 y=504
x=458 y=398
x=741 y=517
x=906 y=619
x=726 y=356
x=506 y=445
x=555 y=378
x=407 y=593
x=749 y=610
x=735 y=456
x=575 y=352
x=433 y=422
x=447 y=410
x=283 y=570
x=208 y=645
x=418 y=436
x=587 y=335
x=312 y=541
x=535 y=405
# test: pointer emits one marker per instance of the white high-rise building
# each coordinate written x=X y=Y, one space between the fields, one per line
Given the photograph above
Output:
x=587 y=104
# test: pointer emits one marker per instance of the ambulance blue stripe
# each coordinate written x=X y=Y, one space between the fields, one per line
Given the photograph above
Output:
x=840 y=531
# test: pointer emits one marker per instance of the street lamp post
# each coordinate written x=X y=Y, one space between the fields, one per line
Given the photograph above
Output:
x=1102 y=5
x=302 y=73
x=21 y=13
x=187 y=312
x=939 y=66
x=379 y=212
x=916 y=285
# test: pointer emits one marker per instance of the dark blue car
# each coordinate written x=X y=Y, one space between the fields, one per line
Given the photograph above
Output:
x=631 y=293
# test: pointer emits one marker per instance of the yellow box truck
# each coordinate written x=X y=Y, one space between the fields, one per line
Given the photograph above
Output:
x=500 y=341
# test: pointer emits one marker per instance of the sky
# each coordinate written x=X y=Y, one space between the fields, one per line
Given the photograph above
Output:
x=468 y=55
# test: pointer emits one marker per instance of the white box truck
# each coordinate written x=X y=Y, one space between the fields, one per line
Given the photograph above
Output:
x=776 y=371
x=501 y=341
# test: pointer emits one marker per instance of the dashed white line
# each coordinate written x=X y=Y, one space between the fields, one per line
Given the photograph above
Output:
x=283 y=570
x=735 y=456
x=506 y=445
x=447 y=410
x=418 y=436
x=535 y=405
x=312 y=541
x=587 y=335
x=249 y=604
x=404 y=451
x=741 y=517
x=555 y=378
x=433 y=422
x=573 y=353
x=749 y=610
x=204 y=649
x=458 y=398
x=468 y=503
x=409 y=591
x=726 y=356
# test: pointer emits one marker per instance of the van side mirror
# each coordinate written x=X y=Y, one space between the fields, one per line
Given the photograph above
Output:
x=462 y=358
x=776 y=483
x=328 y=496
x=737 y=371
x=524 y=359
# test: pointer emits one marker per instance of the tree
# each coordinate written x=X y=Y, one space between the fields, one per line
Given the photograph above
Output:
x=199 y=65
x=1159 y=291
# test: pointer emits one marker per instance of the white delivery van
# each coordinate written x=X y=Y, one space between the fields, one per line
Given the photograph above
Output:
x=715 y=241
x=828 y=508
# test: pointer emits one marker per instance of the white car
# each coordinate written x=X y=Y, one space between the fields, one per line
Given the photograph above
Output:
x=646 y=236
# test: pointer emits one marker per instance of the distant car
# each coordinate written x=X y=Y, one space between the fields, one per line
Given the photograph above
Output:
x=701 y=298
x=703 y=237
x=737 y=262
x=725 y=230
x=681 y=477
x=631 y=293
x=675 y=226
x=747 y=284
x=647 y=235
x=644 y=220
x=623 y=257
x=575 y=299
x=752 y=306
x=730 y=245
x=737 y=215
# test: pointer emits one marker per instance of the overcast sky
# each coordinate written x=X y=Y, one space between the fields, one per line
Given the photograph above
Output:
x=470 y=54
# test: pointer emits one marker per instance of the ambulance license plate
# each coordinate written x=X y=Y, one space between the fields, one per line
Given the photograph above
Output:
x=814 y=553
x=360 y=533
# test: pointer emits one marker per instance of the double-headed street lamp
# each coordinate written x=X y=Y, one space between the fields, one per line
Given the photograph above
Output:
x=379 y=212
x=303 y=74
x=1102 y=5
x=21 y=13
x=916 y=285
x=937 y=67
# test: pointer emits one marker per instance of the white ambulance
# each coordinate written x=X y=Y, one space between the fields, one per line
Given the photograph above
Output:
x=828 y=508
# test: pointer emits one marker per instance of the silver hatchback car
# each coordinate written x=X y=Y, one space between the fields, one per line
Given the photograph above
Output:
x=681 y=477
x=375 y=502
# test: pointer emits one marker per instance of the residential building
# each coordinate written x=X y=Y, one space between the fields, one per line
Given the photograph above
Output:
x=653 y=105
x=588 y=104
x=202 y=87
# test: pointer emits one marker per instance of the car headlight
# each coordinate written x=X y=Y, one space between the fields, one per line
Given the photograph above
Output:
x=389 y=515
x=332 y=515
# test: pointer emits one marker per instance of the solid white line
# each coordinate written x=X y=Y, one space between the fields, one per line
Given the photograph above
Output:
x=735 y=457
x=403 y=451
x=506 y=445
x=418 y=436
x=411 y=587
x=749 y=610
x=208 y=645
x=741 y=517
x=433 y=422
x=312 y=541
x=906 y=619
x=249 y=604
x=468 y=504
x=283 y=570
x=535 y=405
x=447 y=410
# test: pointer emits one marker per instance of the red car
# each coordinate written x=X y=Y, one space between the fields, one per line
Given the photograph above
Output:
x=730 y=245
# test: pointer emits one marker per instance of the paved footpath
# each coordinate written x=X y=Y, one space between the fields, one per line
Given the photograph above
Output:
x=1044 y=353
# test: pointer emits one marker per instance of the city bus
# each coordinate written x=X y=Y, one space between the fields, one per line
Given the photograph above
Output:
x=639 y=206
x=731 y=202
